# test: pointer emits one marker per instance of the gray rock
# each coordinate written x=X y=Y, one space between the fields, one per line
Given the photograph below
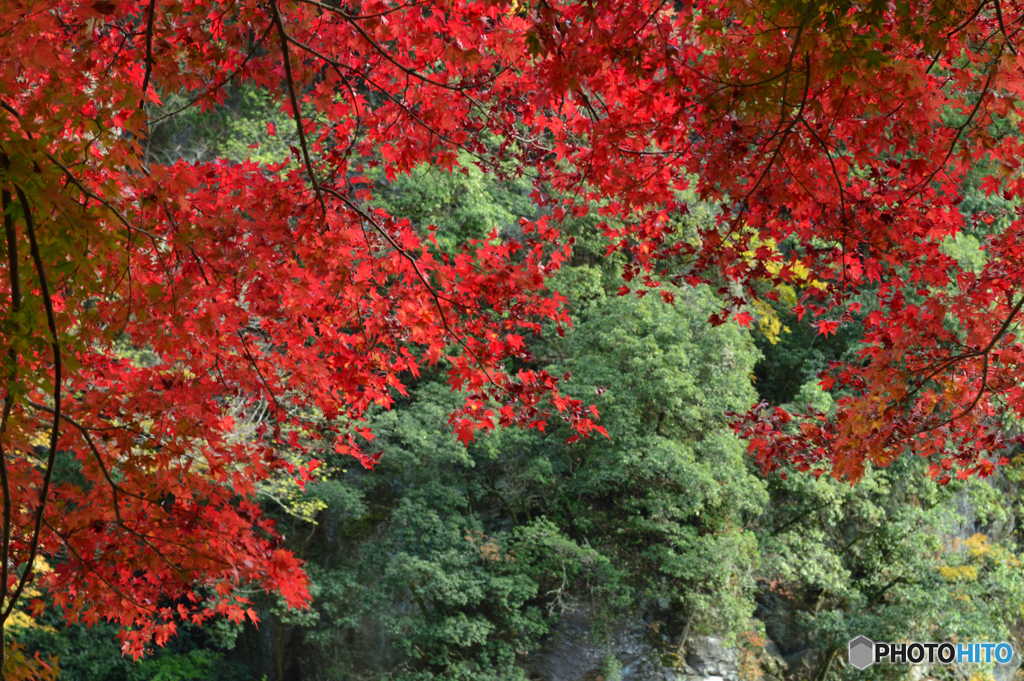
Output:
x=709 y=657
x=802 y=664
x=1006 y=672
x=573 y=654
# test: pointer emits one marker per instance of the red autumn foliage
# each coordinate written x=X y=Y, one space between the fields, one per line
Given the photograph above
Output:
x=836 y=139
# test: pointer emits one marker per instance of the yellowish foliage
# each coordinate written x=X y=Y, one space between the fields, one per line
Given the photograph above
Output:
x=286 y=491
x=979 y=552
x=490 y=550
x=959 y=573
x=20 y=619
x=978 y=547
x=768 y=322
x=19 y=667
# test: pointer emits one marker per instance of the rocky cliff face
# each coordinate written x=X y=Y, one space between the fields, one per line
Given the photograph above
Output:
x=641 y=654
x=573 y=654
x=634 y=651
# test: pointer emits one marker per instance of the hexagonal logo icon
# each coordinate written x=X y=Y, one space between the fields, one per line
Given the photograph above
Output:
x=862 y=652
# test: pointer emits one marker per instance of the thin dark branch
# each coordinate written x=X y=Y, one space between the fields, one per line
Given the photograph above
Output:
x=83 y=562
x=149 y=51
x=84 y=430
x=231 y=76
x=960 y=129
x=294 y=100
x=376 y=15
x=120 y=216
x=320 y=189
x=984 y=353
x=116 y=489
x=1002 y=27
x=51 y=322
x=12 y=375
x=278 y=410
x=419 y=273
x=75 y=181
x=406 y=70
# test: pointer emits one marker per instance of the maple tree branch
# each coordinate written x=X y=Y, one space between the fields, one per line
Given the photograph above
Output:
x=337 y=10
x=75 y=181
x=394 y=100
x=789 y=65
x=149 y=51
x=294 y=100
x=938 y=369
x=231 y=76
x=963 y=25
x=14 y=112
x=404 y=69
x=92 y=195
x=944 y=364
x=1002 y=27
x=51 y=322
x=775 y=155
x=984 y=354
x=411 y=113
x=87 y=566
x=115 y=488
x=336 y=65
x=960 y=129
x=10 y=231
x=835 y=171
x=84 y=430
x=277 y=407
x=319 y=189
x=415 y=265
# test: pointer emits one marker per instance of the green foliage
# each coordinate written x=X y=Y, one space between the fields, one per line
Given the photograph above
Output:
x=246 y=126
x=94 y=654
x=672 y=486
x=798 y=357
x=463 y=204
